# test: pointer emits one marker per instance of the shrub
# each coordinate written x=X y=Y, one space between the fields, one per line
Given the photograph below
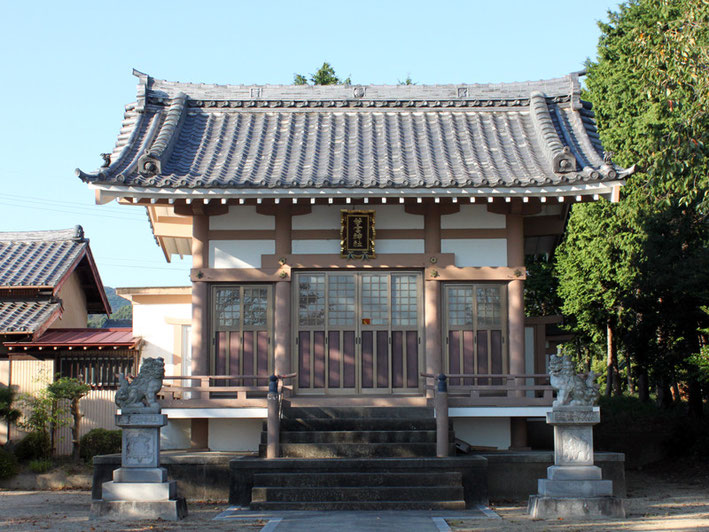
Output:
x=100 y=441
x=34 y=446
x=40 y=466
x=8 y=464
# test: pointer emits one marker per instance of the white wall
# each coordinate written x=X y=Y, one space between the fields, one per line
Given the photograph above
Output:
x=473 y=217
x=476 y=251
x=234 y=434
x=242 y=217
x=486 y=432
x=176 y=434
x=239 y=253
x=386 y=217
x=396 y=245
x=315 y=247
x=150 y=323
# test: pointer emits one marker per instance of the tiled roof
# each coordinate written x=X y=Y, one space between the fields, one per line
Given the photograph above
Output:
x=39 y=258
x=120 y=337
x=26 y=316
x=189 y=136
x=33 y=268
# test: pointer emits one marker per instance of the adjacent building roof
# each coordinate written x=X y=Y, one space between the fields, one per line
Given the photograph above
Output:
x=27 y=316
x=191 y=140
x=83 y=338
x=39 y=258
x=34 y=265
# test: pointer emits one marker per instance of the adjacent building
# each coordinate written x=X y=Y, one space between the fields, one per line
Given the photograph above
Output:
x=49 y=284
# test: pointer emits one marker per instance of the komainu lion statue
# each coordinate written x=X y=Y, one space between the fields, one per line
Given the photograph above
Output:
x=139 y=395
x=572 y=389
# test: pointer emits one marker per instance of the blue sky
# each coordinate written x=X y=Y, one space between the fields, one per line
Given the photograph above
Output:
x=66 y=76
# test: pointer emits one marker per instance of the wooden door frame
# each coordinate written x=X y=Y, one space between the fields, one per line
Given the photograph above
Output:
x=358 y=329
x=213 y=324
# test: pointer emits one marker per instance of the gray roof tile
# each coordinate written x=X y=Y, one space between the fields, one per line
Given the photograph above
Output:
x=26 y=316
x=531 y=134
x=39 y=258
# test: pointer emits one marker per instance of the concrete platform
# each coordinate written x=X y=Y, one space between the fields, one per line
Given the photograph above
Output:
x=204 y=475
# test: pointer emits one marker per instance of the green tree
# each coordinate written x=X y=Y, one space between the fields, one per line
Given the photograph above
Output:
x=540 y=287
x=649 y=89
x=8 y=413
x=595 y=276
x=324 y=76
x=71 y=390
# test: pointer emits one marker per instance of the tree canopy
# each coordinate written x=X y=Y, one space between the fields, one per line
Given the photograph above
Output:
x=325 y=75
x=641 y=267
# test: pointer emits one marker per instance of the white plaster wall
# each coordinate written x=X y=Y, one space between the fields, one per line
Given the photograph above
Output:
x=242 y=217
x=395 y=217
x=473 y=217
x=486 y=432
x=315 y=247
x=320 y=217
x=234 y=434
x=239 y=253
x=396 y=245
x=176 y=434
x=476 y=251
x=149 y=322
x=386 y=217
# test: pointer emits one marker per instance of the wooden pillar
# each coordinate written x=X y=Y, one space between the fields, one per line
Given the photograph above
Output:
x=282 y=314
x=200 y=297
x=515 y=294
x=432 y=295
x=515 y=302
x=281 y=349
x=200 y=330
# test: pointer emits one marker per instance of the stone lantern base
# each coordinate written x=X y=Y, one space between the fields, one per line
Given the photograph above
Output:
x=574 y=486
x=140 y=489
x=541 y=507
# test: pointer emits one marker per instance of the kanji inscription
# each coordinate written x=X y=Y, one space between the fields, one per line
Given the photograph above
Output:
x=357 y=234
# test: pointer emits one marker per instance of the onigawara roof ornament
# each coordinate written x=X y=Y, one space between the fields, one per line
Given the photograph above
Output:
x=572 y=389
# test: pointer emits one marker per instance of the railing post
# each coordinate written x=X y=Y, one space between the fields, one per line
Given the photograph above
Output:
x=273 y=423
x=441 y=408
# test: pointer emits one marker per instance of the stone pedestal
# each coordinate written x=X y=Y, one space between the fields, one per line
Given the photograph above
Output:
x=574 y=486
x=140 y=489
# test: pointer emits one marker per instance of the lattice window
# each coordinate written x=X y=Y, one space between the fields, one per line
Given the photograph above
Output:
x=311 y=300
x=375 y=299
x=341 y=300
x=255 y=306
x=460 y=306
x=489 y=304
x=404 y=300
x=228 y=308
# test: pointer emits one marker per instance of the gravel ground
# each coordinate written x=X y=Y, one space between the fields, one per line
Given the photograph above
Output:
x=670 y=497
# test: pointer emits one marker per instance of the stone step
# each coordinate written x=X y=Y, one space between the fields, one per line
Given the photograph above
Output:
x=357 y=450
x=356 y=494
x=300 y=424
x=387 y=478
x=358 y=505
x=363 y=436
x=359 y=412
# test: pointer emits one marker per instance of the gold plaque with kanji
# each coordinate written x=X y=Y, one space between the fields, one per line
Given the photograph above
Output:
x=357 y=234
